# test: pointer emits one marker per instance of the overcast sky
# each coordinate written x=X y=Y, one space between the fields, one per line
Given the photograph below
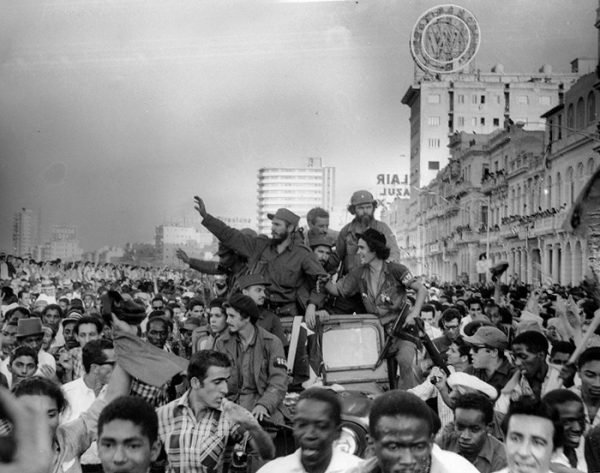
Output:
x=113 y=114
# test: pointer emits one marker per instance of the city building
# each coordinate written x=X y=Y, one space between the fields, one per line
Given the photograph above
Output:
x=25 y=232
x=297 y=189
x=63 y=244
x=170 y=237
x=476 y=102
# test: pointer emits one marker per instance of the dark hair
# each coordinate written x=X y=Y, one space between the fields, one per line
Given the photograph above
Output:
x=217 y=302
x=23 y=351
x=315 y=213
x=377 y=246
x=463 y=348
x=157 y=298
x=560 y=396
x=39 y=386
x=448 y=315
x=590 y=354
x=202 y=360
x=474 y=300
x=23 y=291
x=562 y=347
x=92 y=352
x=10 y=314
x=478 y=402
x=159 y=316
x=327 y=396
x=194 y=302
x=399 y=403
x=133 y=409
x=55 y=307
x=534 y=341
x=428 y=308
x=87 y=319
x=529 y=406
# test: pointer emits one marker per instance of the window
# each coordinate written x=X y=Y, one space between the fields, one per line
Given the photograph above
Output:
x=522 y=99
x=461 y=121
x=461 y=98
x=433 y=121
x=474 y=98
x=433 y=143
x=482 y=120
x=545 y=100
x=591 y=107
x=496 y=122
x=433 y=165
x=580 y=114
x=433 y=98
x=482 y=99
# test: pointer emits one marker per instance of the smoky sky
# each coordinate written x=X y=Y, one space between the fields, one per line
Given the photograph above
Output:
x=114 y=114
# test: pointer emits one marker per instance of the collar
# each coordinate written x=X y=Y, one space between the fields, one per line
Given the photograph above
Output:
x=487 y=451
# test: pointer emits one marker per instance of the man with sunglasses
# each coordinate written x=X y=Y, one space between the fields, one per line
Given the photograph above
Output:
x=487 y=353
x=98 y=358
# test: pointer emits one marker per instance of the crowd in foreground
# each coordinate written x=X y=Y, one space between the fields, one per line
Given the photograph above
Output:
x=118 y=368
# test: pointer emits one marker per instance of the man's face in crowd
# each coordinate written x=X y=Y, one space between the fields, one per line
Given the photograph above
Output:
x=322 y=253
x=560 y=358
x=471 y=428
x=218 y=320
x=364 y=213
x=483 y=357
x=279 y=230
x=22 y=367
x=157 y=305
x=256 y=293
x=51 y=317
x=319 y=226
x=529 y=444
x=45 y=404
x=47 y=340
x=314 y=432
x=106 y=367
x=157 y=333
x=235 y=321
x=86 y=333
x=88 y=301
x=475 y=310
x=453 y=355
x=211 y=391
x=451 y=329
x=25 y=300
x=365 y=254
x=9 y=338
x=427 y=317
x=69 y=335
x=572 y=417
x=32 y=341
x=197 y=311
x=527 y=362
x=122 y=446
x=590 y=379
x=64 y=305
x=403 y=444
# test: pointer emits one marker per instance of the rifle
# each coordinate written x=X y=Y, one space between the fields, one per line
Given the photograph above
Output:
x=396 y=328
x=434 y=353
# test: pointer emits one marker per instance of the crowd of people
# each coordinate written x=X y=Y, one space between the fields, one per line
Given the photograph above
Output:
x=118 y=368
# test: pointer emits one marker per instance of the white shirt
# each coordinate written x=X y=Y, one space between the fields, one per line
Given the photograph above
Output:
x=80 y=398
x=340 y=462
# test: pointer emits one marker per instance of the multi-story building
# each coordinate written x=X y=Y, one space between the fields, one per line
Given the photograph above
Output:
x=170 y=237
x=25 y=232
x=63 y=244
x=477 y=102
x=297 y=189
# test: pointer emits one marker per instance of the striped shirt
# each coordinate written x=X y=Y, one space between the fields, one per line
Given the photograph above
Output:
x=193 y=445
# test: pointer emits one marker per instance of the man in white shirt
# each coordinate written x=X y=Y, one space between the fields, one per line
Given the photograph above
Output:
x=98 y=358
x=317 y=425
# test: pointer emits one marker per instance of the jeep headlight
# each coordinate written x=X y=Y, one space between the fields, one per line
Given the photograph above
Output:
x=352 y=440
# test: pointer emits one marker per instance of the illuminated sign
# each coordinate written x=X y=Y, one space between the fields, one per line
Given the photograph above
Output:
x=391 y=186
x=445 y=39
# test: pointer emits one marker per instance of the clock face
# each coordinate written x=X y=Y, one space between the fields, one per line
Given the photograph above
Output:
x=445 y=39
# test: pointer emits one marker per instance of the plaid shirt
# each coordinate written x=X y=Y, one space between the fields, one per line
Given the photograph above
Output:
x=193 y=445
x=156 y=397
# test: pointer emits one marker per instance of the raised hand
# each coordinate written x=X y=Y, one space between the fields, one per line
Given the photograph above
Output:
x=199 y=206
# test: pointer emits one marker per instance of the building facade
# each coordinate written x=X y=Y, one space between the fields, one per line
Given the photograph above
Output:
x=170 y=237
x=25 y=232
x=476 y=103
x=297 y=189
